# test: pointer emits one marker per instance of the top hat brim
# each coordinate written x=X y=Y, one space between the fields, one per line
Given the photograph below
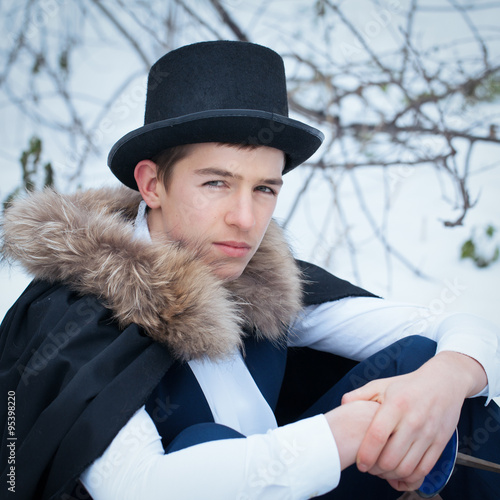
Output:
x=239 y=126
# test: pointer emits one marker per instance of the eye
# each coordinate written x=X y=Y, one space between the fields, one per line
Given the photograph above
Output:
x=214 y=184
x=266 y=189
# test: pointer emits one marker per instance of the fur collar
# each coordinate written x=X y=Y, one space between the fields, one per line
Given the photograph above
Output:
x=86 y=240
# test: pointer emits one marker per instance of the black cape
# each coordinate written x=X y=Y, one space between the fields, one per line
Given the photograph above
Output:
x=76 y=379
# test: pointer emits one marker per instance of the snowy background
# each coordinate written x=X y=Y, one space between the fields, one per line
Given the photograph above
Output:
x=414 y=223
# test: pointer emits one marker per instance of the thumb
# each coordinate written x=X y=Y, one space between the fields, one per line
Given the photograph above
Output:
x=369 y=392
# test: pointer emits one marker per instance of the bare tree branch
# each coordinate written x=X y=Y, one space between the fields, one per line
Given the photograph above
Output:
x=229 y=21
x=395 y=106
x=131 y=40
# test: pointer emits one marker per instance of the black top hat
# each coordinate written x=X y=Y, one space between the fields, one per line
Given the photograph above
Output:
x=221 y=91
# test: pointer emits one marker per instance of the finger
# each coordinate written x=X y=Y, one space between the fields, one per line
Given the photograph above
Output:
x=404 y=464
x=368 y=392
x=422 y=469
x=378 y=433
x=402 y=453
x=401 y=485
x=391 y=458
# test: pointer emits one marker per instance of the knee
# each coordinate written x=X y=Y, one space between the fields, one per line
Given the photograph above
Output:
x=413 y=352
x=403 y=356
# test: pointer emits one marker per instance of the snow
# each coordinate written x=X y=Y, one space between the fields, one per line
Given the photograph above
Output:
x=415 y=228
x=413 y=225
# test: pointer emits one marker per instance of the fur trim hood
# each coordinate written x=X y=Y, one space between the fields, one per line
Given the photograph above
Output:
x=86 y=240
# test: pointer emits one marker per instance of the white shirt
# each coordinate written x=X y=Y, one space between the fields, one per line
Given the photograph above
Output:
x=296 y=461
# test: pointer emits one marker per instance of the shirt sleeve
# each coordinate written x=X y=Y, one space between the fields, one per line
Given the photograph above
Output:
x=357 y=327
x=297 y=461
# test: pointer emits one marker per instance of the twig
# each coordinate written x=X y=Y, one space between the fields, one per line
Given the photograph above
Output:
x=132 y=41
x=229 y=21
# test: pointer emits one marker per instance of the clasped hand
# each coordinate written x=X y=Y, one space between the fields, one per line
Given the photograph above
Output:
x=414 y=418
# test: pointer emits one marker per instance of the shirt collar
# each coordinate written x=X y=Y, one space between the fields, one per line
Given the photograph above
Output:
x=141 y=229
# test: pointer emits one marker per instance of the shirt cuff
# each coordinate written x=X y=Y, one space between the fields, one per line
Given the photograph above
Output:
x=309 y=450
x=476 y=338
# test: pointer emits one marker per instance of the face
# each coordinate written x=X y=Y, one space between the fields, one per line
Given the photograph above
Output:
x=220 y=200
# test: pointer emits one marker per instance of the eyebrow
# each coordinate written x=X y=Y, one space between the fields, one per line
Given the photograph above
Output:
x=226 y=173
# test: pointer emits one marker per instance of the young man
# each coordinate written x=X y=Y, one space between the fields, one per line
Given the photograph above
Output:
x=147 y=359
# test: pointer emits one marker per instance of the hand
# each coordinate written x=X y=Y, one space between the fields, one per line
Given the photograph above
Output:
x=349 y=424
x=417 y=416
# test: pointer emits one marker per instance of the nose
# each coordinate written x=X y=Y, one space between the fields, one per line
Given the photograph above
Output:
x=241 y=212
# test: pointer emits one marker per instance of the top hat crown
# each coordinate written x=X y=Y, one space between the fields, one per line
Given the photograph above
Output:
x=221 y=91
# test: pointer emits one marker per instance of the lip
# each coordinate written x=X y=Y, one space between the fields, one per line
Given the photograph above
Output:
x=233 y=248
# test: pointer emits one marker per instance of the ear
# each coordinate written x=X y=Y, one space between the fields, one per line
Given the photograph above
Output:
x=145 y=174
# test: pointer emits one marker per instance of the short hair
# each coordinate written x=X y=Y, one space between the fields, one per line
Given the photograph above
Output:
x=166 y=160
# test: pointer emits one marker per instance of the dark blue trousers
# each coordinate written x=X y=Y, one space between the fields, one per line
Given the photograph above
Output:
x=479 y=429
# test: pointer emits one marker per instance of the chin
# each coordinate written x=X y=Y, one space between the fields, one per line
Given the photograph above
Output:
x=227 y=270
x=230 y=277
x=229 y=274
